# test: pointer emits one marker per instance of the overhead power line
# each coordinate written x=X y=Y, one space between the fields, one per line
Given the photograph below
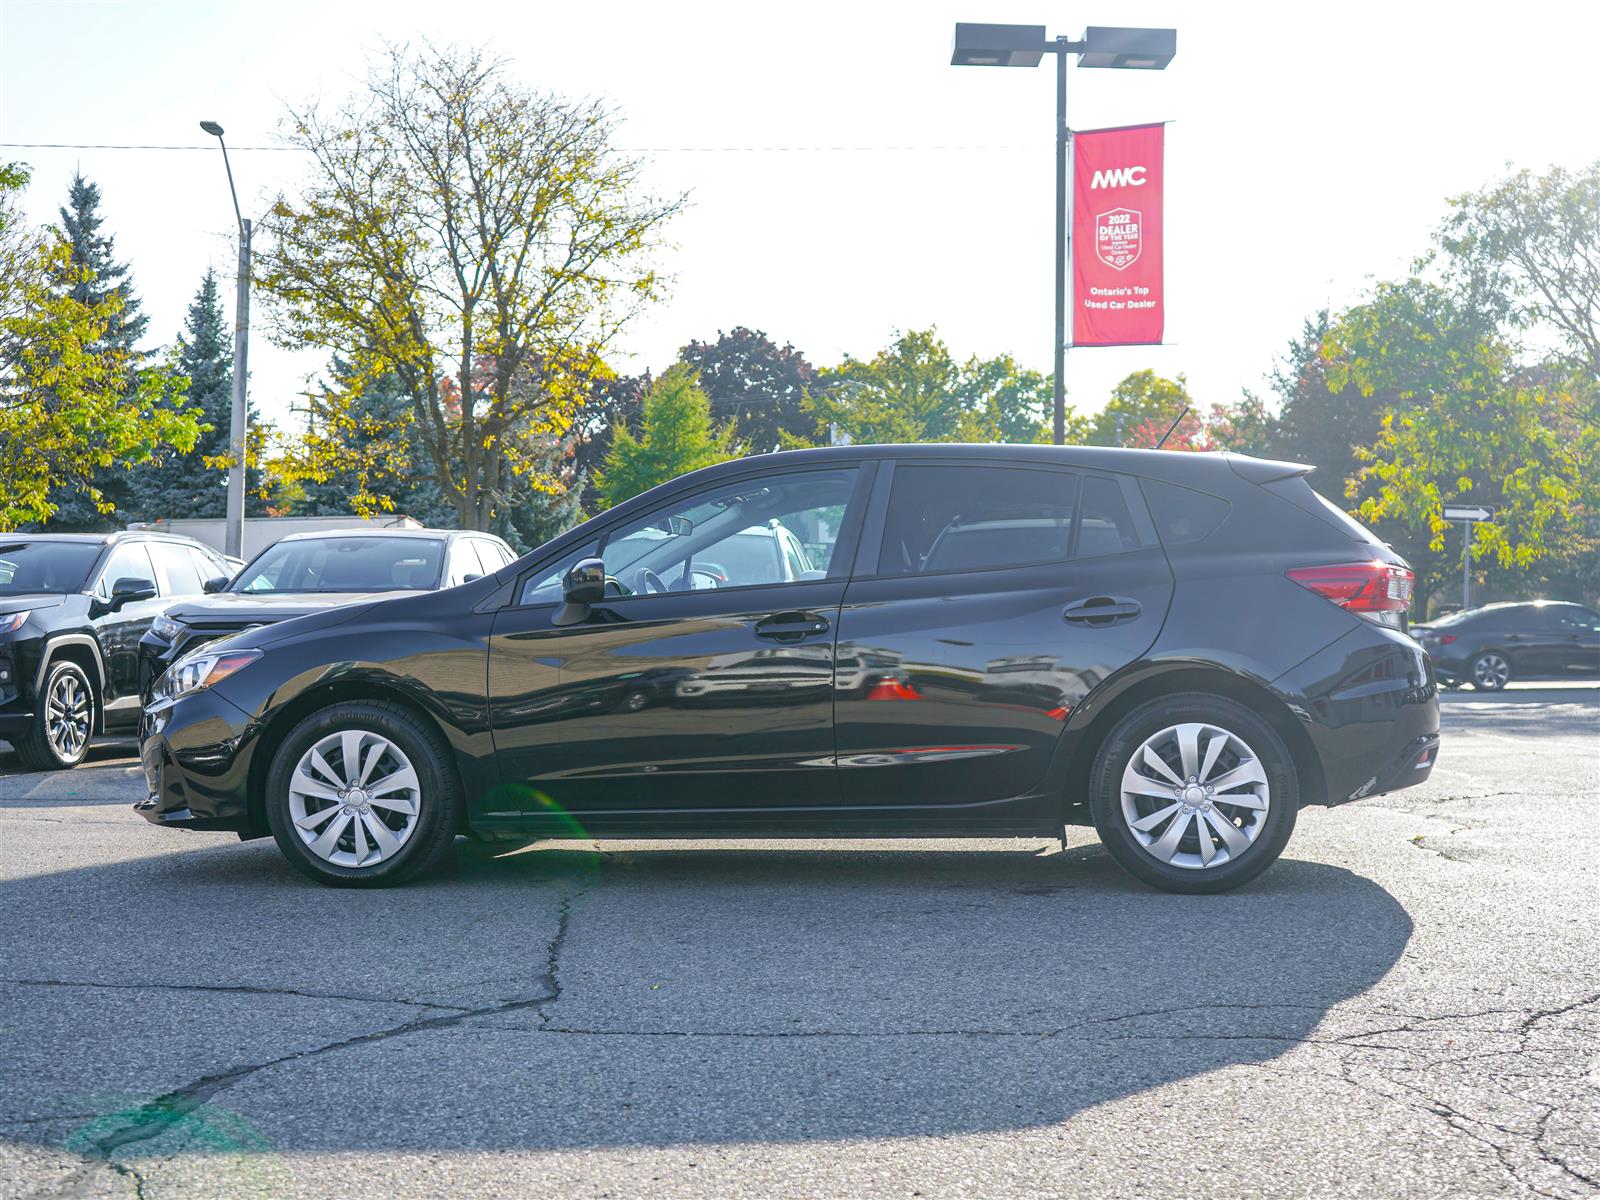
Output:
x=625 y=149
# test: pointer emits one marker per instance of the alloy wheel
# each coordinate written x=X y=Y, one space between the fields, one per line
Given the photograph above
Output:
x=1491 y=671
x=354 y=798
x=1195 y=795
x=67 y=712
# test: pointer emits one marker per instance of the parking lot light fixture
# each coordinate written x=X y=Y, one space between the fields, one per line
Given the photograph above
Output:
x=982 y=45
x=233 y=536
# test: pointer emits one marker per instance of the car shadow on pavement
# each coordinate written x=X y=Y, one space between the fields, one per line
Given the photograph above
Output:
x=559 y=997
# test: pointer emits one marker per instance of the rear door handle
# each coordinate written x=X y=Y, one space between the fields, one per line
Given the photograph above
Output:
x=1098 y=611
x=791 y=626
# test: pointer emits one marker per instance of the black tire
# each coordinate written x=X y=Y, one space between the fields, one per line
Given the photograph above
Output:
x=438 y=805
x=1127 y=738
x=36 y=748
x=1491 y=671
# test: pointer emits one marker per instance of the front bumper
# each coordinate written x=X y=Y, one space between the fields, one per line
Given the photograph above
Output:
x=195 y=752
x=1370 y=705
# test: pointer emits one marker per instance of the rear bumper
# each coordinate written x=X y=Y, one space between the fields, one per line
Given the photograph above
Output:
x=1369 y=703
x=196 y=754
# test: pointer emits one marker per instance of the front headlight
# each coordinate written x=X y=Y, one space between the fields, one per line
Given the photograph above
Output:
x=11 y=622
x=165 y=628
x=198 y=671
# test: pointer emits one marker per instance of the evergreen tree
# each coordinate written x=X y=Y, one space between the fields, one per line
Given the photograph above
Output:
x=182 y=485
x=675 y=435
x=95 y=280
x=101 y=275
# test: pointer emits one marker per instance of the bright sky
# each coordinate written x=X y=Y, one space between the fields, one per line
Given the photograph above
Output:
x=1312 y=150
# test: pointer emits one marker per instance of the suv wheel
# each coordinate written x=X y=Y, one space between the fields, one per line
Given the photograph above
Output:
x=1490 y=671
x=1194 y=793
x=362 y=795
x=59 y=736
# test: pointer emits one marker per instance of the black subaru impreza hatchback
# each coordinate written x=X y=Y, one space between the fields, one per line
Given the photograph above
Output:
x=978 y=641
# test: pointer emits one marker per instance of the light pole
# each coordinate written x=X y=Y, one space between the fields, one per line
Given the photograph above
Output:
x=1100 y=46
x=234 y=530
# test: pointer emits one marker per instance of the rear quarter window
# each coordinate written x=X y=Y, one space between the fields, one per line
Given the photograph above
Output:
x=1182 y=515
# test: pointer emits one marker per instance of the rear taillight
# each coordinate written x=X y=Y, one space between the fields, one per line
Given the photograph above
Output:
x=1444 y=639
x=1374 y=590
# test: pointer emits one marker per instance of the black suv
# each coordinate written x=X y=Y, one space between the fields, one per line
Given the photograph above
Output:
x=72 y=610
x=1488 y=647
x=305 y=572
x=988 y=641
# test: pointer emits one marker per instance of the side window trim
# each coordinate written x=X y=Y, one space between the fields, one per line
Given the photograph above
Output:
x=843 y=555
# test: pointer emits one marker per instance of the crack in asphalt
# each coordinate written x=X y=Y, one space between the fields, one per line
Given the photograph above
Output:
x=228 y=989
x=155 y=1117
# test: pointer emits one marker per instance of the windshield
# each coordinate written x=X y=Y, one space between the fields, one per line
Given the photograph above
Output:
x=45 y=566
x=344 y=564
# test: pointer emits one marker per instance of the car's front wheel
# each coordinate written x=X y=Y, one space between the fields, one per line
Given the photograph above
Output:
x=1194 y=793
x=1490 y=671
x=362 y=795
x=59 y=736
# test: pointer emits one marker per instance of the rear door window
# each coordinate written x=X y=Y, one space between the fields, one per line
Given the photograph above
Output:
x=973 y=518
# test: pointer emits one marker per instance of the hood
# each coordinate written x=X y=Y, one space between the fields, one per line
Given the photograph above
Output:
x=29 y=600
x=262 y=608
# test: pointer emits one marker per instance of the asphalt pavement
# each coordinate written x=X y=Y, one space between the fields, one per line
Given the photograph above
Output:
x=1408 y=1004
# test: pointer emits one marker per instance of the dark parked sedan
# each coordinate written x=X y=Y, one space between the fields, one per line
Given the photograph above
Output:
x=989 y=641
x=305 y=572
x=1488 y=647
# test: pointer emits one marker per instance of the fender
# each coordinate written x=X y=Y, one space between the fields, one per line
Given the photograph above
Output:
x=71 y=639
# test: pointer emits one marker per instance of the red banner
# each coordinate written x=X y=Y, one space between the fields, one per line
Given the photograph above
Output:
x=1116 y=236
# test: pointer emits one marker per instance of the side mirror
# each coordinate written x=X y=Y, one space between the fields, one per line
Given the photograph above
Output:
x=471 y=575
x=584 y=584
x=215 y=584
x=130 y=589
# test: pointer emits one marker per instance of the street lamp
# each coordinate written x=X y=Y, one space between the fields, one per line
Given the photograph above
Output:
x=234 y=529
x=1025 y=46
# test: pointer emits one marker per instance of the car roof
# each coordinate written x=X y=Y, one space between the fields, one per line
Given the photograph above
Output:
x=435 y=535
x=105 y=539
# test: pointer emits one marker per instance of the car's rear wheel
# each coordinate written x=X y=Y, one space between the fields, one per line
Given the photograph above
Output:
x=1490 y=671
x=62 y=726
x=362 y=795
x=1194 y=793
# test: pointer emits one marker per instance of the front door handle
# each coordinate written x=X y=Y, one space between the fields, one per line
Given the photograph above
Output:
x=791 y=626
x=1099 y=611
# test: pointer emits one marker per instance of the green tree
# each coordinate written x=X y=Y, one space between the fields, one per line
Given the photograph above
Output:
x=479 y=242
x=676 y=435
x=757 y=384
x=178 y=484
x=97 y=275
x=1527 y=249
x=73 y=404
x=914 y=390
x=1142 y=407
x=94 y=279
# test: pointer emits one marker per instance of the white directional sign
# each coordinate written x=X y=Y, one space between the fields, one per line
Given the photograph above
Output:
x=1468 y=512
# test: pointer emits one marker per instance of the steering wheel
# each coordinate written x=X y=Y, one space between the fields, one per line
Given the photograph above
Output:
x=649 y=582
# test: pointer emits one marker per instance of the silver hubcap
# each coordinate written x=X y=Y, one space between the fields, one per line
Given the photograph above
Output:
x=354 y=798
x=67 y=711
x=1491 y=671
x=1195 y=796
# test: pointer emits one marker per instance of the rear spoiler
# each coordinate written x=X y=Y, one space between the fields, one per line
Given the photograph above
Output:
x=1265 y=470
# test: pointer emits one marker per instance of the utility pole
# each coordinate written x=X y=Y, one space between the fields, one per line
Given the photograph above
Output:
x=239 y=418
x=1063 y=237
